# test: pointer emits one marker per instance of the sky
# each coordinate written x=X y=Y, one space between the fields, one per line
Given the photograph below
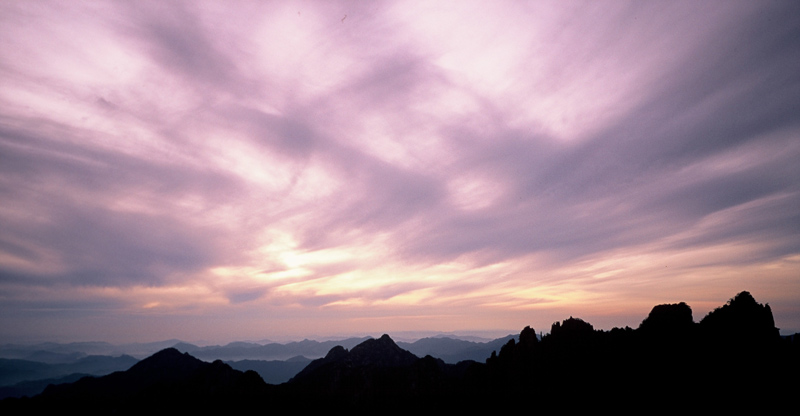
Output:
x=239 y=170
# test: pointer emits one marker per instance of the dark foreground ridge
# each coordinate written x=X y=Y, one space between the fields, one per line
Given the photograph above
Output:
x=733 y=357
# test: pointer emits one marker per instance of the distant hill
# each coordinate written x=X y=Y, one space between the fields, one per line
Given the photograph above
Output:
x=448 y=348
x=452 y=350
x=273 y=372
x=376 y=374
x=14 y=371
x=52 y=352
x=236 y=351
x=166 y=380
x=670 y=363
x=34 y=387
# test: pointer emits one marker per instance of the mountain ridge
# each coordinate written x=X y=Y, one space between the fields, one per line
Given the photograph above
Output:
x=574 y=365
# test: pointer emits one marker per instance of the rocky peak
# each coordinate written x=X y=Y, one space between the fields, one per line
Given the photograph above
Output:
x=381 y=352
x=669 y=319
x=167 y=361
x=336 y=353
x=372 y=353
x=741 y=317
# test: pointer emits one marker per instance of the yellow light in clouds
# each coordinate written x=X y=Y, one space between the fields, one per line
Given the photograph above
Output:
x=317 y=257
x=346 y=303
x=173 y=298
x=424 y=296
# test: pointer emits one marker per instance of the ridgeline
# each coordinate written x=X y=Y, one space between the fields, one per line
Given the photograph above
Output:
x=733 y=358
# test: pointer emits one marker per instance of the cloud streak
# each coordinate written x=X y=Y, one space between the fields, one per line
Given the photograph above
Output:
x=271 y=163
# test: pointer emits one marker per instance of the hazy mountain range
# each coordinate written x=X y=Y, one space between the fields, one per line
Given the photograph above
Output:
x=733 y=358
x=25 y=370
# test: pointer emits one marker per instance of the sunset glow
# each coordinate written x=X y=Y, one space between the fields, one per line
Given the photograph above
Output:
x=224 y=171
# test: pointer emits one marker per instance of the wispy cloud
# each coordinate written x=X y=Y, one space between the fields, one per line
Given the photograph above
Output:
x=274 y=163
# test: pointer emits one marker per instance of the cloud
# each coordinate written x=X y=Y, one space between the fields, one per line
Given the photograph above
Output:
x=84 y=215
x=273 y=155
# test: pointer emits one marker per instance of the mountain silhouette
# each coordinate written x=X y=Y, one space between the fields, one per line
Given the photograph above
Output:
x=275 y=371
x=237 y=351
x=741 y=320
x=376 y=372
x=168 y=377
x=33 y=374
x=733 y=358
x=670 y=319
x=373 y=353
x=453 y=350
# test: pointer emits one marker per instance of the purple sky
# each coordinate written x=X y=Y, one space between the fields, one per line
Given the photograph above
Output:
x=276 y=169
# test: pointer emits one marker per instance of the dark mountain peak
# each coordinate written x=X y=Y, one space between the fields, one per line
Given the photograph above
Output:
x=381 y=352
x=669 y=318
x=336 y=353
x=741 y=317
x=571 y=326
x=528 y=337
x=167 y=354
x=167 y=361
x=744 y=299
x=373 y=353
x=167 y=375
